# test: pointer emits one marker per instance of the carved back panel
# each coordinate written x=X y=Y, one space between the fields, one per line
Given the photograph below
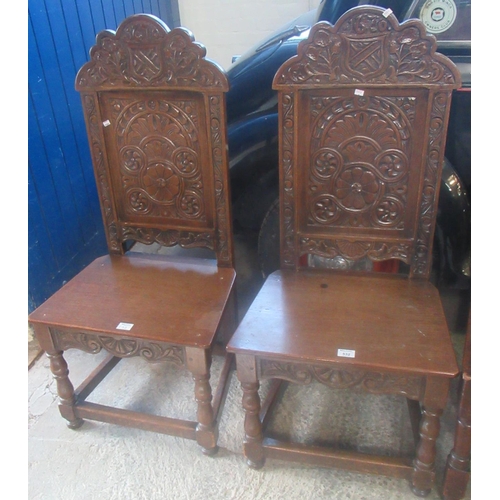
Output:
x=363 y=107
x=155 y=114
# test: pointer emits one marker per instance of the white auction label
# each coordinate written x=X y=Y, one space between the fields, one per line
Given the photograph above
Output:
x=125 y=326
x=346 y=353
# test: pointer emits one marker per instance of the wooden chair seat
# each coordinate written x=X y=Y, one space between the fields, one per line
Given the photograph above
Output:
x=165 y=300
x=156 y=123
x=387 y=322
x=335 y=328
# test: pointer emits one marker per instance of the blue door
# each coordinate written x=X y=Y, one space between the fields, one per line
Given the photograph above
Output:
x=65 y=231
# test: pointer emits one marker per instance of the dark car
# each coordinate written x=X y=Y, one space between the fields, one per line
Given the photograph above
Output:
x=253 y=132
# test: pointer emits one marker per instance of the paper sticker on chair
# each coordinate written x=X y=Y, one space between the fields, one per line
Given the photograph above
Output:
x=346 y=353
x=125 y=326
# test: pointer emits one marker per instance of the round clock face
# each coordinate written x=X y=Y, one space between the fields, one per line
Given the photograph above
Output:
x=438 y=15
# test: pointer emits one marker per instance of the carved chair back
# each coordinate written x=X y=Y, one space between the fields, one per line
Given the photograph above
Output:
x=363 y=112
x=155 y=114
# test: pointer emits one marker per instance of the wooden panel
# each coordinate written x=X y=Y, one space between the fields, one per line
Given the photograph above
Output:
x=155 y=140
x=370 y=179
x=366 y=168
x=65 y=226
x=161 y=161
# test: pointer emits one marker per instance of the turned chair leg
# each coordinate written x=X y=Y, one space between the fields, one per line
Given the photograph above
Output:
x=198 y=363
x=252 y=443
x=65 y=390
x=457 y=471
x=423 y=466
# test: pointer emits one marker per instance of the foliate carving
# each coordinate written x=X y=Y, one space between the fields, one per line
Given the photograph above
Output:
x=361 y=179
x=367 y=47
x=160 y=161
x=101 y=170
x=359 y=171
x=168 y=238
x=299 y=374
x=427 y=215
x=287 y=165
x=373 y=382
x=144 y=51
x=224 y=250
x=119 y=346
x=355 y=250
x=150 y=95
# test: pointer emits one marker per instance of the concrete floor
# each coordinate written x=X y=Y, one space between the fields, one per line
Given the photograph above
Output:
x=101 y=461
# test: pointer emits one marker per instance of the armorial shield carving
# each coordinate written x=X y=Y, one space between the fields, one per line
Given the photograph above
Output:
x=143 y=40
x=145 y=62
x=144 y=50
x=367 y=47
x=365 y=57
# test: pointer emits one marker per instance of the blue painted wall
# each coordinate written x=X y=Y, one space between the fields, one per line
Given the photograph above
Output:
x=65 y=231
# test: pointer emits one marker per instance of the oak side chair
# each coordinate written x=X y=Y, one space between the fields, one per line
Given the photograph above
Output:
x=155 y=114
x=363 y=111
